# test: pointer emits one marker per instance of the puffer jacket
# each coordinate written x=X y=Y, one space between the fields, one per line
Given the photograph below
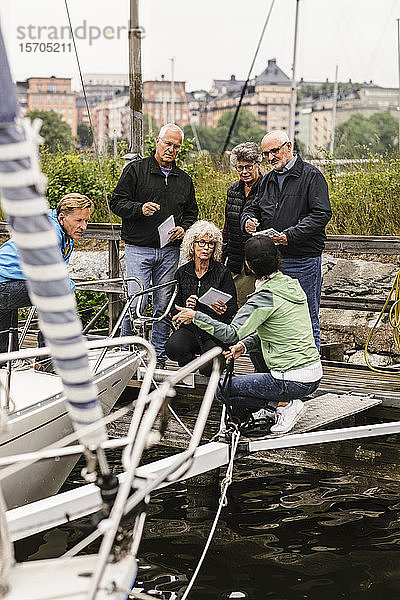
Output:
x=234 y=237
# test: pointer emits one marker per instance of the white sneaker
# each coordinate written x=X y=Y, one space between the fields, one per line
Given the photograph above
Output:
x=288 y=416
x=260 y=414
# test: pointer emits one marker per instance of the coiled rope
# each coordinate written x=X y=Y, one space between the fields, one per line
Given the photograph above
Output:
x=394 y=321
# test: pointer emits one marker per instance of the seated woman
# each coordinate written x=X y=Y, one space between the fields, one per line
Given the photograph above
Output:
x=276 y=316
x=200 y=251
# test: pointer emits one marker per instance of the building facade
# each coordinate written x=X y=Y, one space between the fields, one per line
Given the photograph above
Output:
x=315 y=115
x=49 y=93
x=166 y=103
x=267 y=97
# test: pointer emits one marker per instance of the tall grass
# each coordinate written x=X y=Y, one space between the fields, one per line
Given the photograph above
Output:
x=365 y=197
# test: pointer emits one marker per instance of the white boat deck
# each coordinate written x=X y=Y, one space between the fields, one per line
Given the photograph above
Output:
x=28 y=387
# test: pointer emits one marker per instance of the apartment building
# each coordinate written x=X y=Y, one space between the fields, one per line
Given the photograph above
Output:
x=49 y=93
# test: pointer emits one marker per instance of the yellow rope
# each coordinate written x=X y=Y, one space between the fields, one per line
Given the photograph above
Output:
x=394 y=321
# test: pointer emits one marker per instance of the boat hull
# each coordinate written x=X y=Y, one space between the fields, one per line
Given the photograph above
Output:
x=46 y=421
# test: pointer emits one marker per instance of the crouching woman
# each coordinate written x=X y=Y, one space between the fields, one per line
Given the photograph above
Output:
x=276 y=317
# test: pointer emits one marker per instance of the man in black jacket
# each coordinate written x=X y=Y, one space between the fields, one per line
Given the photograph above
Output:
x=148 y=192
x=293 y=200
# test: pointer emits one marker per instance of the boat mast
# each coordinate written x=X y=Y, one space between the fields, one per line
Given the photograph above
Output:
x=293 y=94
x=135 y=84
x=335 y=93
x=172 y=117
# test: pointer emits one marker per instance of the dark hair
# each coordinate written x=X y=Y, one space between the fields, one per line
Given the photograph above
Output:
x=262 y=255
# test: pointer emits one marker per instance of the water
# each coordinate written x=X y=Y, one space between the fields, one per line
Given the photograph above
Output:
x=286 y=534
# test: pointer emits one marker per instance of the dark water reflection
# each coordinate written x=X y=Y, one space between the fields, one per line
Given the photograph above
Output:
x=286 y=534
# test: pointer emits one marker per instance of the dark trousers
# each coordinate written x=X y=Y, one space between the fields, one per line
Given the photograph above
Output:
x=183 y=346
x=13 y=295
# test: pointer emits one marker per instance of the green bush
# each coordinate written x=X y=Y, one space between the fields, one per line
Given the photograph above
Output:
x=89 y=303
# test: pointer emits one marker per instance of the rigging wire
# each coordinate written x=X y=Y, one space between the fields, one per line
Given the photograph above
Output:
x=244 y=88
x=222 y=503
x=92 y=128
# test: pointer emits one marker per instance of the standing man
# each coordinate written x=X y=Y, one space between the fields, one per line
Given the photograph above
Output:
x=293 y=199
x=70 y=220
x=148 y=192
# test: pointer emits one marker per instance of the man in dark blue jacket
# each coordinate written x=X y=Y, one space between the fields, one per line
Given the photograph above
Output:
x=293 y=200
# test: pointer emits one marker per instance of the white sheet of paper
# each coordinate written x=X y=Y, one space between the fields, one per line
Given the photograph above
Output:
x=164 y=229
x=212 y=296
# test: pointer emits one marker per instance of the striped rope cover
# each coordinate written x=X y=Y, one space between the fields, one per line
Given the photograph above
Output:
x=22 y=186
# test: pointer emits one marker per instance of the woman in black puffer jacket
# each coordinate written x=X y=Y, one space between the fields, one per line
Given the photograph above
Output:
x=246 y=159
x=200 y=251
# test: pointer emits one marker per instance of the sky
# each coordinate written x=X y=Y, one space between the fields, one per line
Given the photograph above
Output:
x=209 y=39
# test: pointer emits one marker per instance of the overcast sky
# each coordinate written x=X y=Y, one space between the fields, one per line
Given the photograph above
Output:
x=208 y=38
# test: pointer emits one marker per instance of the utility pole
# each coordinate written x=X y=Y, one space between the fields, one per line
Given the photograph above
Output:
x=135 y=85
x=398 y=102
x=335 y=93
x=172 y=114
x=293 y=94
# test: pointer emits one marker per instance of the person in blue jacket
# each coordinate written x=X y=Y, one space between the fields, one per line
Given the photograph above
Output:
x=70 y=220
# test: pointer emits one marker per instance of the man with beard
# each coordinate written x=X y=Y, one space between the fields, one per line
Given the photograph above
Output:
x=293 y=201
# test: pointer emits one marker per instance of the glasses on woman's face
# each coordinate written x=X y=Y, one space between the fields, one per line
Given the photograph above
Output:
x=241 y=168
x=205 y=243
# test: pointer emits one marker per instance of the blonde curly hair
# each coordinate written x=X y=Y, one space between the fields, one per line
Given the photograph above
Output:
x=195 y=232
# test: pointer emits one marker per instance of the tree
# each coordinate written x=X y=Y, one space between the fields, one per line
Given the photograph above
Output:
x=85 y=135
x=247 y=129
x=360 y=136
x=57 y=133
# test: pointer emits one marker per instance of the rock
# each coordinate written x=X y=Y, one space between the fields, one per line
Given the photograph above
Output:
x=365 y=279
x=376 y=360
x=88 y=265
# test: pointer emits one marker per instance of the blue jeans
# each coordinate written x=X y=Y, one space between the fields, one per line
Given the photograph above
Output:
x=254 y=390
x=308 y=273
x=13 y=295
x=152 y=266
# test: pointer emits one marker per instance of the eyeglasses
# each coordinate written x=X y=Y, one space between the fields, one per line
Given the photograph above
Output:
x=176 y=147
x=274 y=150
x=204 y=243
x=241 y=168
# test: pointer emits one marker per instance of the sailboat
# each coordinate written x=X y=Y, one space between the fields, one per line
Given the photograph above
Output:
x=39 y=415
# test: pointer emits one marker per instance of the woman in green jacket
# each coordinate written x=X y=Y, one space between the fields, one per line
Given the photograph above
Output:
x=276 y=317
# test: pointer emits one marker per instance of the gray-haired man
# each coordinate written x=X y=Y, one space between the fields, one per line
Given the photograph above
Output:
x=293 y=199
x=148 y=192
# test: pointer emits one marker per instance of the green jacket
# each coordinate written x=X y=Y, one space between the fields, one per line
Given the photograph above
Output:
x=278 y=314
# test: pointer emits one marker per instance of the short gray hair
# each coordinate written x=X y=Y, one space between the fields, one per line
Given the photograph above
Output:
x=194 y=232
x=167 y=126
x=279 y=133
x=246 y=152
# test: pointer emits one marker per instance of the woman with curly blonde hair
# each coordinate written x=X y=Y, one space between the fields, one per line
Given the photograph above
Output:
x=199 y=271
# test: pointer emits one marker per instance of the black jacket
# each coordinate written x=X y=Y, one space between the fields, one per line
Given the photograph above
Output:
x=301 y=210
x=234 y=238
x=143 y=181
x=218 y=276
